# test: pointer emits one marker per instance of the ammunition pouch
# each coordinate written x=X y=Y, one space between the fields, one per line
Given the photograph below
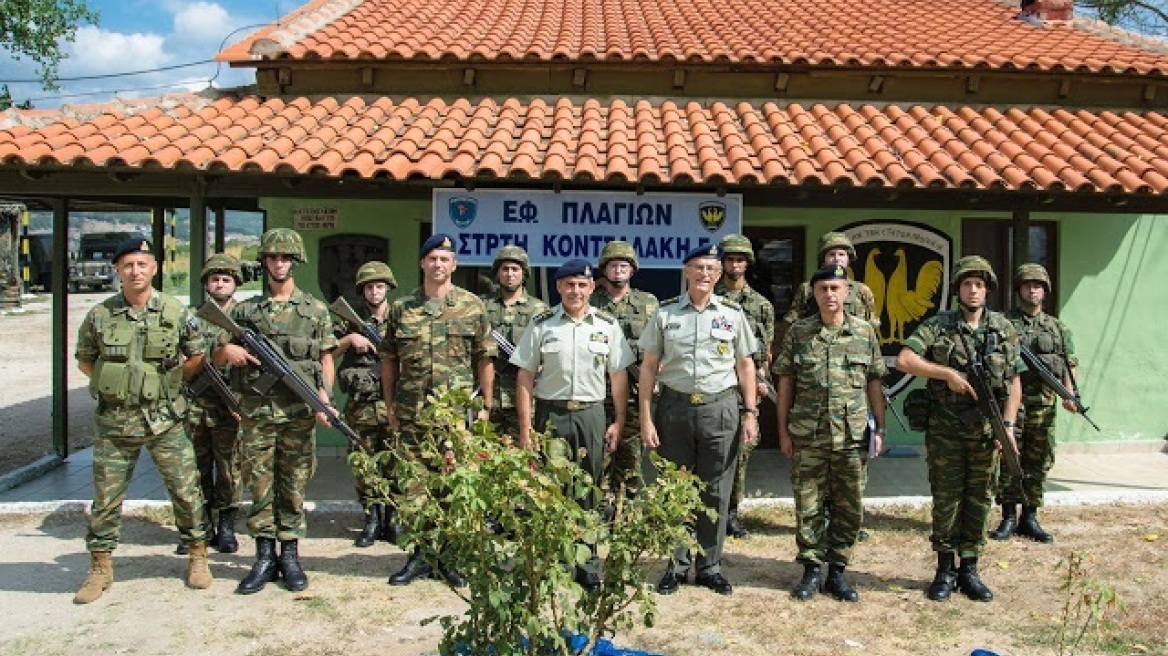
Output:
x=916 y=410
x=361 y=384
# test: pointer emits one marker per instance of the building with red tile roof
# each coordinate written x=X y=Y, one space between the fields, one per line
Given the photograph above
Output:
x=998 y=136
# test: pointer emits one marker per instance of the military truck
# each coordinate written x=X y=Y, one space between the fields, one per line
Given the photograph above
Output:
x=91 y=267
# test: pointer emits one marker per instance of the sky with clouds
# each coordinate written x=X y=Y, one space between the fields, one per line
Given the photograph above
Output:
x=135 y=35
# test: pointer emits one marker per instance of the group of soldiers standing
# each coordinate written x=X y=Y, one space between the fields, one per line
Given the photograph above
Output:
x=610 y=369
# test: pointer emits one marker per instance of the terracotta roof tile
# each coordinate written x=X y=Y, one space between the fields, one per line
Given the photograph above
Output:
x=643 y=142
x=880 y=33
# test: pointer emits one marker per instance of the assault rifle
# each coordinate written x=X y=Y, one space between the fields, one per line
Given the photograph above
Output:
x=276 y=369
x=209 y=378
x=342 y=309
x=1050 y=380
x=892 y=408
x=980 y=380
x=764 y=380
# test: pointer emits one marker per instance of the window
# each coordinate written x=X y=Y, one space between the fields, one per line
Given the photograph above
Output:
x=993 y=239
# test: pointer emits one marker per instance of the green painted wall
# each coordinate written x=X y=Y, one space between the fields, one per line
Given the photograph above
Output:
x=1110 y=287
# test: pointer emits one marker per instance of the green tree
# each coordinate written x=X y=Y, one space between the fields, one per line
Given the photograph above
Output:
x=1145 y=16
x=37 y=29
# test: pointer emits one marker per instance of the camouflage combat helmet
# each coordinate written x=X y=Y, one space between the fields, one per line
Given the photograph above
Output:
x=831 y=240
x=283 y=241
x=1031 y=273
x=373 y=272
x=619 y=250
x=225 y=264
x=512 y=254
x=738 y=245
x=971 y=264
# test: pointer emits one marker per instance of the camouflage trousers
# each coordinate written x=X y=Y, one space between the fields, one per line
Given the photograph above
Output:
x=114 y=459
x=703 y=439
x=821 y=474
x=962 y=478
x=739 y=490
x=1036 y=447
x=371 y=423
x=623 y=466
x=279 y=458
x=217 y=456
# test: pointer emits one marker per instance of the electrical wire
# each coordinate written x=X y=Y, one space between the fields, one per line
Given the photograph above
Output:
x=107 y=76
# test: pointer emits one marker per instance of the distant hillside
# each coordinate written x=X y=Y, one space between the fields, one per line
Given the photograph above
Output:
x=241 y=226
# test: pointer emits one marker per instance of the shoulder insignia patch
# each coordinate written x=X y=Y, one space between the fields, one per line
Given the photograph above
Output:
x=543 y=316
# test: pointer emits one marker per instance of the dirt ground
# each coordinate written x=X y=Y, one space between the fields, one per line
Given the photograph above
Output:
x=26 y=382
x=349 y=609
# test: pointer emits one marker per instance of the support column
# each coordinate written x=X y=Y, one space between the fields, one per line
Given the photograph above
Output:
x=158 y=238
x=198 y=241
x=220 y=228
x=1020 y=250
x=60 y=355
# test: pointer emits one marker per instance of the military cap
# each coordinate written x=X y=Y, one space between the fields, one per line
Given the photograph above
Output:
x=575 y=267
x=829 y=272
x=708 y=250
x=135 y=245
x=444 y=242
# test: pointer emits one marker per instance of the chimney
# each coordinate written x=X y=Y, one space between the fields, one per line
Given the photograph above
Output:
x=1055 y=10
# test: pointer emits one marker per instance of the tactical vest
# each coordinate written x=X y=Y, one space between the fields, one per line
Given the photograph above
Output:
x=360 y=373
x=955 y=350
x=1044 y=339
x=295 y=339
x=139 y=362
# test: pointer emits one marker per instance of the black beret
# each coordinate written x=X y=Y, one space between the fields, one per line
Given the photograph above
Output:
x=136 y=245
x=707 y=250
x=445 y=242
x=575 y=267
x=829 y=272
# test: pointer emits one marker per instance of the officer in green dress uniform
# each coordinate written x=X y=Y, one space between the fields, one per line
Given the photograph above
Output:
x=700 y=348
x=564 y=358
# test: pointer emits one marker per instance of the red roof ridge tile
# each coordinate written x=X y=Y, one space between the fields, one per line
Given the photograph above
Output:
x=278 y=37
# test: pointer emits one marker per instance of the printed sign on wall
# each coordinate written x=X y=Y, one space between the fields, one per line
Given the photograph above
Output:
x=556 y=227
x=315 y=218
x=907 y=267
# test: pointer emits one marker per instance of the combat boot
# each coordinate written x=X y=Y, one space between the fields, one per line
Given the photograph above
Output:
x=372 y=527
x=946 y=578
x=1030 y=528
x=391 y=528
x=837 y=586
x=809 y=584
x=294 y=577
x=198 y=570
x=101 y=577
x=264 y=571
x=1009 y=525
x=416 y=567
x=969 y=582
x=225 y=541
x=734 y=526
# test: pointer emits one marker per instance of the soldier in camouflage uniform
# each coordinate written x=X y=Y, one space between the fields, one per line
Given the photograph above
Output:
x=136 y=347
x=737 y=255
x=509 y=311
x=835 y=248
x=277 y=434
x=438 y=335
x=359 y=377
x=829 y=372
x=632 y=308
x=1050 y=340
x=212 y=425
x=962 y=455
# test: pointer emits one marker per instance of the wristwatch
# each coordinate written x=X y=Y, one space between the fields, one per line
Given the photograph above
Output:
x=1007 y=423
x=750 y=411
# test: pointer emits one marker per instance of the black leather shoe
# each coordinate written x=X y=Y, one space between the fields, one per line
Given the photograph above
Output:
x=734 y=525
x=181 y=549
x=969 y=582
x=264 y=571
x=809 y=584
x=945 y=580
x=1009 y=523
x=1029 y=527
x=372 y=528
x=416 y=567
x=715 y=582
x=671 y=582
x=837 y=586
x=391 y=529
x=294 y=577
x=452 y=578
x=226 y=542
x=590 y=581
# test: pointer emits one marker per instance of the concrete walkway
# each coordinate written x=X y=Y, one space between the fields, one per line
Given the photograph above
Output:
x=1082 y=474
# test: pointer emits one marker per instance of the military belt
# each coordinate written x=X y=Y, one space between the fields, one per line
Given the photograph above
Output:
x=568 y=405
x=697 y=398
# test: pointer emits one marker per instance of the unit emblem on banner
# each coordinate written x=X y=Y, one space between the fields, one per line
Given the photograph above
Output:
x=906 y=265
x=712 y=215
x=463 y=211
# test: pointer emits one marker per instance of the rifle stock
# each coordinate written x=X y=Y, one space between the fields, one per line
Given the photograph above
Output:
x=209 y=378
x=277 y=369
x=1051 y=381
x=342 y=309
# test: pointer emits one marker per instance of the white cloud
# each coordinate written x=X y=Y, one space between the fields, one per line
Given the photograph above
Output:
x=203 y=23
x=97 y=51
